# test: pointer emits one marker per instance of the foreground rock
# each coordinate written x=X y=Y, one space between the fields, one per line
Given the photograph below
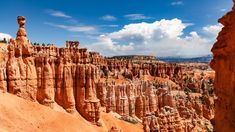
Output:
x=223 y=64
x=17 y=114
x=52 y=75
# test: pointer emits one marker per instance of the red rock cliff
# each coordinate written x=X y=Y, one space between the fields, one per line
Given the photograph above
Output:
x=224 y=65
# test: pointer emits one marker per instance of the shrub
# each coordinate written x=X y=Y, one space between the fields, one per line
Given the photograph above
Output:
x=129 y=119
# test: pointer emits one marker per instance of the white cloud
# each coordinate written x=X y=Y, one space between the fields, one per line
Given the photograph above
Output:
x=108 y=18
x=57 y=13
x=111 y=26
x=105 y=43
x=73 y=28
x=4 y=35
x=160 y=38
x=158 y=29
x=137 y=17
x=213 y=29
x=177 y=3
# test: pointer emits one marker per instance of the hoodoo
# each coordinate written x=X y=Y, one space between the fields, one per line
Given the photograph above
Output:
x=50 y=75
x=139 y=89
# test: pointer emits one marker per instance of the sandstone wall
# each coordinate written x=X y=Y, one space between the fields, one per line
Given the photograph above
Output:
x=224 y=65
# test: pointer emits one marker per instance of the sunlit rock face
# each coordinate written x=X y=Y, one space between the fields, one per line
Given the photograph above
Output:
x=50 y=75
x=224 y=65
x=85 y=82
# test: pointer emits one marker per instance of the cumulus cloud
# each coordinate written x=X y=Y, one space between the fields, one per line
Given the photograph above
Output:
x=146 y=31
x=160 y=38
x=177 y=3
x=57 y=13
x=213 y=29
x=105 y=43
x=108 y=18
x=6 y=36
x=137 y=17
x=72 y=28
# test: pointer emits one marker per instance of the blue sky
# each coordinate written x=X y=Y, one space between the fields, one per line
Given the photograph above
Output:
x=113 y=27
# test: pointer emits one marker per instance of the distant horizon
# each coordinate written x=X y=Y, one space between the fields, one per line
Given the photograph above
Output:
x=158 y=28
x=210 y=54
x=187 y=57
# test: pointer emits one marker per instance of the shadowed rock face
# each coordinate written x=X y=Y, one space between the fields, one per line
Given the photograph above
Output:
x=135 y=99
x=142 y=100
x=224 y=65
x=167 y=119
x=133 y=68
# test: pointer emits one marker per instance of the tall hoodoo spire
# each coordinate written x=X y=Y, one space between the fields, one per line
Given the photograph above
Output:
x=21 y=37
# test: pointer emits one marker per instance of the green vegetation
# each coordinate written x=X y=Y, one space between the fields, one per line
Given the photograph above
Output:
x=187 y=90
x=207 y=128
x=129 y=119
x=3 y=41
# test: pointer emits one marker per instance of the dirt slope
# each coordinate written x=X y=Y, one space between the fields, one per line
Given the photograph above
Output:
x=18 y=115
x=109 y=121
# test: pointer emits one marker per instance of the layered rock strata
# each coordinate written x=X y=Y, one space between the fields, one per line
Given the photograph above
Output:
x=79 y=81
x=50 y=75
x=142 y=100
x=139 y=69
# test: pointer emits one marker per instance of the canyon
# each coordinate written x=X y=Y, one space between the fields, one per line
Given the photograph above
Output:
x=140 y=91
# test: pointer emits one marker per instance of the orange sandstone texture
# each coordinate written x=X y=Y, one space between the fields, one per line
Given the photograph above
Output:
x=17 y=114
x=52 y=75
x=224 y=65
x=82 y=82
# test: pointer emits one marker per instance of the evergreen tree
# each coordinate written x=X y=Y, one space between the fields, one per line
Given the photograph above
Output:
x=4 y=40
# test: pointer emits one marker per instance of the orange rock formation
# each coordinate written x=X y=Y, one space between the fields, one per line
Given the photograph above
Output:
x=223 y=64
x=85 y=83
x=52 y=75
